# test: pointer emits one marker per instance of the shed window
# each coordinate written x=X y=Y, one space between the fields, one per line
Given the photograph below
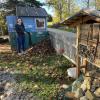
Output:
x=40 y=23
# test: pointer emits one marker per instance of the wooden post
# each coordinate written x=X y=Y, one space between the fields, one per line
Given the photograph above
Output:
x=78 y=59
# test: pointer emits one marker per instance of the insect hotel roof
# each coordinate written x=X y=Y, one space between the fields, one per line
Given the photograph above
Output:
x=83 y=16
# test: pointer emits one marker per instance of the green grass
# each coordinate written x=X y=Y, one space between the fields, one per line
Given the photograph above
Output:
x=47 y=74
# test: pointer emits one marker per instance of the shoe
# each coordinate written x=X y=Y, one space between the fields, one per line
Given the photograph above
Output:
x=24 y=52
x=19 y=54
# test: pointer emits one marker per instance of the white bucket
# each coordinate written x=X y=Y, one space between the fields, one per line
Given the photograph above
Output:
x=72 y=72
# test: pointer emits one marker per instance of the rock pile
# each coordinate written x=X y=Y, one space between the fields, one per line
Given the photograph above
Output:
x=86 y=87
x=89 y=89
x=91 y=85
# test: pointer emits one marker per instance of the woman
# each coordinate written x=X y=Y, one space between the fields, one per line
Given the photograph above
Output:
x=19 y=27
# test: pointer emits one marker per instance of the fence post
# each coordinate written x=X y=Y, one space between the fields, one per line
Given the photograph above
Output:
x=77 y=50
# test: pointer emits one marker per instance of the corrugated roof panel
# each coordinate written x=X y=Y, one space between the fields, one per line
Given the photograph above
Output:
x=30 y=11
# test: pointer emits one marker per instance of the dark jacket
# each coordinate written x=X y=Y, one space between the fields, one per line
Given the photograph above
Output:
x=20 y=29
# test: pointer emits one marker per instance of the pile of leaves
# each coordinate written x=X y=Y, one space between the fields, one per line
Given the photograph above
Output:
x=44 y=47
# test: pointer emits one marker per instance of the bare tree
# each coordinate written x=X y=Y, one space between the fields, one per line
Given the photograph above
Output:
x=88 y=3
x=58 y=5
x=69 y=6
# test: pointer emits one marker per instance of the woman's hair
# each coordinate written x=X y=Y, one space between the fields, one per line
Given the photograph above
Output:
x=18 y=19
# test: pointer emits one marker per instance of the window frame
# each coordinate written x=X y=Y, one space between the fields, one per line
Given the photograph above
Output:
x=39 y=28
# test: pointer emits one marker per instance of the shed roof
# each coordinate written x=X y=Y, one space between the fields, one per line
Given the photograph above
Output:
x=30 y=11
x=83 y=16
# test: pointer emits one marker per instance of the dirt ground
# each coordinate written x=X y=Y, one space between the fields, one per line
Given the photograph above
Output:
x=32 y=76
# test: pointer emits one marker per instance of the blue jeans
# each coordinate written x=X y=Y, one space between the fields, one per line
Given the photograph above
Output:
x=21 y=43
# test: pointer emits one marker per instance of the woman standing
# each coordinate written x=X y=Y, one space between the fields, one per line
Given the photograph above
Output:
x=19 y=27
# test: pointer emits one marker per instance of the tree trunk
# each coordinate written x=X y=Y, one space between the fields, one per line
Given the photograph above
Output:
x=2 y=31
x=60 y=16
x=69 y=7
x=88 y=2
x=95 y=4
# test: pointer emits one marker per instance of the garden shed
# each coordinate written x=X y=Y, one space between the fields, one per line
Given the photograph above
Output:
x=35 y=22
x=87 y=25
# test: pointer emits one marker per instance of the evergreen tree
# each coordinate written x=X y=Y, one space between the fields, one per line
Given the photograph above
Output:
x=9 y=6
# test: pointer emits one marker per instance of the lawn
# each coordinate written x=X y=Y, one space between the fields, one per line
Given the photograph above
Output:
x=39 y=74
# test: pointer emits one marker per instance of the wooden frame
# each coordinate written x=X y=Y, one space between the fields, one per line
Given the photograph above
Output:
x=78 y=59
x=39 y=28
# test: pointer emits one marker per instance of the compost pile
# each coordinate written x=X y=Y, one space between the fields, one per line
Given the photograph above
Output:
x=44 y=47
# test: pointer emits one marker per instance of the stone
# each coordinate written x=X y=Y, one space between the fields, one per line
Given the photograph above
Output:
x=10 y=91
x=93 y=88
x=7 y=86
x=96 y=83
x=1 y=69
x=64 y=86
x=83 y=87
x=97 y=74
x=89 y=95
x=70 y=94
x=88 y=85
x=87 y=81
x=76 y=85
x=87 y=74
x=83 y=70
x=79 y=93
x=1 y=90
x=91 y=73
x=35 y=86
x=97 y=92
x=2 y=97
x=83 y=98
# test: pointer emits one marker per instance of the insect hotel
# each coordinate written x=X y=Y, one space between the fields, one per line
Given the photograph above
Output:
x=87 y=25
